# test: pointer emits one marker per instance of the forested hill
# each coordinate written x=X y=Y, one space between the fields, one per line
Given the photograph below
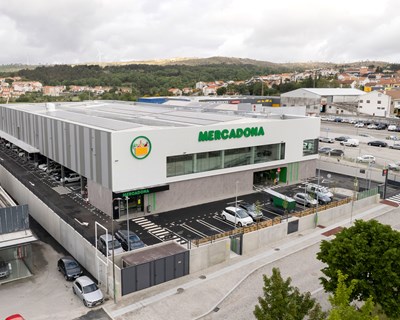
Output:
x=143 y=77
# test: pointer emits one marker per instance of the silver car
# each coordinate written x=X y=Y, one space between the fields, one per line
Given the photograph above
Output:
x=305 y=199
x=105 y=243
x=87 y=291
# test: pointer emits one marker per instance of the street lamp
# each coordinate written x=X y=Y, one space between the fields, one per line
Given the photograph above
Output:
x=127 y=223
x=237 y=182
x=112 y=234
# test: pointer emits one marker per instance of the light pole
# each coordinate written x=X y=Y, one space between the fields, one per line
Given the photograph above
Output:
x=127 y=223
x=112 y=234
x=237 y=182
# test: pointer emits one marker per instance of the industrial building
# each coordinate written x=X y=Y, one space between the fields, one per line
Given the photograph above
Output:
x=323 y=100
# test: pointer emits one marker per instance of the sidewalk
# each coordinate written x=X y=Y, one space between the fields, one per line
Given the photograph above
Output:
x=202 y=295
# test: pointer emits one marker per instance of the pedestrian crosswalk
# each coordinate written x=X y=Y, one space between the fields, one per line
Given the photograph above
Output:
x=157 y=231
x=395 y=198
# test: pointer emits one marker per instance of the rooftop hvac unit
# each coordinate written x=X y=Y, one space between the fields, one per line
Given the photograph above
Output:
x=50 y=107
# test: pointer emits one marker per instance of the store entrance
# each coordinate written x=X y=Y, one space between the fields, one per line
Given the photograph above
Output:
x=270 y=177
x=136 y=204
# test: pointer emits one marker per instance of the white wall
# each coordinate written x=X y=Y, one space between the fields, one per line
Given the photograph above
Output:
x=372 y=106
x=130 y=173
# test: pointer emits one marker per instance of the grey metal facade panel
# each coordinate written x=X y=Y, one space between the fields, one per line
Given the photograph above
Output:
x=85 y=155
x=97 y=156
x=60 y=142
x=67 y=144
x=105 y=155
x=14 y=219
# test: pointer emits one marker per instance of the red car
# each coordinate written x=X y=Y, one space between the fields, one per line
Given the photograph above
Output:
x=15 y=317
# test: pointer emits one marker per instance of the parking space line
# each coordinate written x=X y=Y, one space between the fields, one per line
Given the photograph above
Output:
x=224 y=221
x=193 y=230
x=209 y=225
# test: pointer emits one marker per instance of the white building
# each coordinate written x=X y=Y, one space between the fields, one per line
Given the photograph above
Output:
x=323 y=100
x=164 y=157
x=375 y=103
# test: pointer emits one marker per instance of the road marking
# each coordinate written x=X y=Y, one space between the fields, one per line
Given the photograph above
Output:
x=193 y=230
x=209 y=225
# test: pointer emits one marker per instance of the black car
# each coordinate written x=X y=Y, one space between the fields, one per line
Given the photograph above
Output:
x=377 y=143
x=336 y=152
x=381 y=126
x=134 y=240
x=342 y=138
x=69 y=268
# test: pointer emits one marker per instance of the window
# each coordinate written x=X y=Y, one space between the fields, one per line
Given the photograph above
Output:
x=310 y=147
x=213 y=160
x=367 y=101
x=361 y=101
x=379 y=101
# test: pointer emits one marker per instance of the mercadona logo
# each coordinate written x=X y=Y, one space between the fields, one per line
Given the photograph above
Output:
x=140 y=147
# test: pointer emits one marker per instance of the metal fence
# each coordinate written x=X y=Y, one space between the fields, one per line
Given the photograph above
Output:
x=367 y=193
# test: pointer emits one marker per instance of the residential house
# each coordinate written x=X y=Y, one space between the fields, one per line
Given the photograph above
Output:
x=175 y=91
x=53 y=91
x=395 y=102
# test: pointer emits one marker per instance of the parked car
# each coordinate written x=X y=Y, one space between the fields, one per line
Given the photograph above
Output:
x=4 y=269
x=336 y=152
x=305 y=199
x=322 y=198
x=69 y=268
x=326 y=139
x=359 y=125
x=87 y=291
x=393 y=167
x=324 y=150
x=72 y=177
x=342 y=138
x=372 y=126
x=251 y=210
x=350 y=143
x=396 y=146
x=366 y=158
x=391 y=137
x=237 y=216
x=318 y=190
x=107 y=240
x=392 y=127
x=134 y=241
x=16 y=316
x=378 y=143
x=381 y=126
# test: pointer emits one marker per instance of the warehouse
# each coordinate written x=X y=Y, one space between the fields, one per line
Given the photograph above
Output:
x=159 y=158
x=323 y=100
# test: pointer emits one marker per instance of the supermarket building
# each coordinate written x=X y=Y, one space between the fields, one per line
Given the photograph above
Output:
x=164 y=157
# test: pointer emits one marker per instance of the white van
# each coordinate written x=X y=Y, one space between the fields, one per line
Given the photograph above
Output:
x=350 y=143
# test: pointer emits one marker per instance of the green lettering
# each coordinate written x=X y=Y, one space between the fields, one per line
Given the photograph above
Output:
x=217 y=134
x=261 y=131
x=211 y=135
x=254 y=132
x=225 y=133
x=232 y=134
x=239 y=133
x=203 y=136
x=247 y=132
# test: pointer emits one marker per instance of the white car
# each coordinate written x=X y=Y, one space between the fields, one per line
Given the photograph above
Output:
x=372 y=126
x=359 y=125
x=87 y=291
x=237 y=216
x=350 y=143
x=318 y=190
x=366 y=158
x=326 y=139
x=72 y=177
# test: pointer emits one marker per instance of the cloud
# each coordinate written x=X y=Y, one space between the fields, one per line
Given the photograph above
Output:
x=44 y=31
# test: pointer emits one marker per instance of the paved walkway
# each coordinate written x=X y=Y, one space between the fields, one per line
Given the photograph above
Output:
x=210 y=294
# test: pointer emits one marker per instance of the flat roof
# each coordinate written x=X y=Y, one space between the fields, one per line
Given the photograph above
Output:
x=119 y=115
x=335 y=91
x=154 y=253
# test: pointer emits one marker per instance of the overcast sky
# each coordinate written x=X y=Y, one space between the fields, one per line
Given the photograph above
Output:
x=76 y=31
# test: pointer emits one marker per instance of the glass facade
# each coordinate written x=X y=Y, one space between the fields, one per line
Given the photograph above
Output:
x=310 y=147
x=213 y=160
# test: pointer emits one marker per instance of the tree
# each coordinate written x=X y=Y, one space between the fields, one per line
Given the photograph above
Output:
x=283 y=301
x=340 y=301
x=221 y=91
x=369 y=253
